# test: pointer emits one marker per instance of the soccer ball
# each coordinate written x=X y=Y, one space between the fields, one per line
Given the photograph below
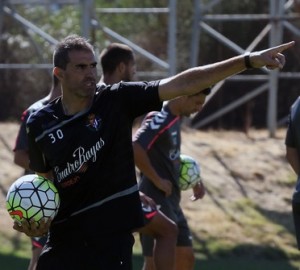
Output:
x=189 y=172
x=32 y=196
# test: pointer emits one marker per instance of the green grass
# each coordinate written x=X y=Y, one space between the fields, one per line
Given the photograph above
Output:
x=12 y=262
x=276 y=252
x=14 y=251
x=240 y=264
x=275 y=249
x=210 y=255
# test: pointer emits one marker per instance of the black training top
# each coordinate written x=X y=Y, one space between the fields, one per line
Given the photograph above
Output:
x=292 y=139
x=21 y=140
x=159 y=135
x=92 y=159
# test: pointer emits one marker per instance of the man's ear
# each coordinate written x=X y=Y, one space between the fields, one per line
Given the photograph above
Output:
x=122 y=67
x=58 y=72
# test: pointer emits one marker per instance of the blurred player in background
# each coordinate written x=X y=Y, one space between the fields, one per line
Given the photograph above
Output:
x=292 y=142
x=118 y=64
x=156 y=147
x=21 y=157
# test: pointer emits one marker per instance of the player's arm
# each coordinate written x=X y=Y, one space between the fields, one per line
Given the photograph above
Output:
x=143 y=162
x=21 y=158
x=47 y=175
x=292 y=157
x=198 y=191
x=193 y=80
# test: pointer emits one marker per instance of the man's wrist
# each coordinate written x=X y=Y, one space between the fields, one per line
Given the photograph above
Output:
x=200 y=182
x=247 y=62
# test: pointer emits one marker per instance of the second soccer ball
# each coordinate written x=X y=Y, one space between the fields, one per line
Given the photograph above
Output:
x=189 y=172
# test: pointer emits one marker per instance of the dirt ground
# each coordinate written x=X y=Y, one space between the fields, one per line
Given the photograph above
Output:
x=238 y=170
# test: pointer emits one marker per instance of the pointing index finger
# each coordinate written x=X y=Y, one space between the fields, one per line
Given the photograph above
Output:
x=284 y=46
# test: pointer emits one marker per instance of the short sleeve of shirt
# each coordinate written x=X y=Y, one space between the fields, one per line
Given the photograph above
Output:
x=289 y=134
x=154 y=125
x=293 y=130
x=21 y=141
x=148 y=131
x=138 y=97
x=37 y=161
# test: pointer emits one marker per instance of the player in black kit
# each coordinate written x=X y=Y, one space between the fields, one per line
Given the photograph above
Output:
x=118 y=64
x=21 y=158
x=84 y=140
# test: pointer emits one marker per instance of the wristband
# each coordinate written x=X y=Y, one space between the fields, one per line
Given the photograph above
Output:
x=247 y=61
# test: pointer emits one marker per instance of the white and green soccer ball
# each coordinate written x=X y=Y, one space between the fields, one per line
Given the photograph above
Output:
x=189 y=172
x=32 y=197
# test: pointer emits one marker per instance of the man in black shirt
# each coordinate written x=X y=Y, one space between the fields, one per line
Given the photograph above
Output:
x=83 y=141
x=118 y=64
x=21 y=157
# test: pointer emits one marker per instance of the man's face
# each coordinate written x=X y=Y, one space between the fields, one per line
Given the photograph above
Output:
x=193 y=104
x=129 y=72
x=80 y=75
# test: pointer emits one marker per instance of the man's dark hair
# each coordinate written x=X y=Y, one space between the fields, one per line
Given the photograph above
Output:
x=113 y=55
x=70 y=43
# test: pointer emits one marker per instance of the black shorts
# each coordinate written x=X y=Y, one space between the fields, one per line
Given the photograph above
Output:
x=105 y=252
x=171 y=208
x=38 y=242
x=296 y=218
x=148 y=212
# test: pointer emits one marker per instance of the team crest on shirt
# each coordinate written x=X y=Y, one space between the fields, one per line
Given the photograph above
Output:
x=92 y=122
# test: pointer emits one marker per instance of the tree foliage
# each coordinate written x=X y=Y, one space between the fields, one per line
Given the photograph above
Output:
x=21 y=87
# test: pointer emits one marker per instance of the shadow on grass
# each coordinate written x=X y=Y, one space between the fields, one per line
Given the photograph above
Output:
x=283 y=219
x=238 y=264
x=246 y=257
x=232 y=263
x=10 y=262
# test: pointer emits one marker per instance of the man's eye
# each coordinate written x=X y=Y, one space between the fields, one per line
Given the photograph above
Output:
x=93 y=65
x=81 y=66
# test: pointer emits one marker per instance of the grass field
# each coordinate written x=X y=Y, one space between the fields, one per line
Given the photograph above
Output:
x=15 y=254
x=243 y=223
x=12 y=262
